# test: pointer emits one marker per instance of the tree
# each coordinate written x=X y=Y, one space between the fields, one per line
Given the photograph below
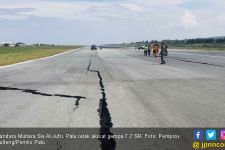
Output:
x=6 y=44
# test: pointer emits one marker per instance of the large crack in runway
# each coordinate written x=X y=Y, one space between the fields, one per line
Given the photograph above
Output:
x=35 y=92
x=104 y=114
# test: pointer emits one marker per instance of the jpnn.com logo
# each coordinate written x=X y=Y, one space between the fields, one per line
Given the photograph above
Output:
x=211 y=139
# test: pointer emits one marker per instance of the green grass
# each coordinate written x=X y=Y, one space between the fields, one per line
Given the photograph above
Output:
x=11 y=55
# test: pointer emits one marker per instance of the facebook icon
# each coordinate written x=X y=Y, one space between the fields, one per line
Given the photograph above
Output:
x=198 y=135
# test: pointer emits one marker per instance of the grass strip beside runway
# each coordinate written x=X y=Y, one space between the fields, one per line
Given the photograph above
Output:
x=12 y=55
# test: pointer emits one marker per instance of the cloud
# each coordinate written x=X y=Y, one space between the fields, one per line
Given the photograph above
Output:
x=122 y=20
x=189 y=20
x=12 y=17
x=221 y=19
x=15 y=10
x=196 y=4
x=133 y=7
x=14 y=13
x=88 y=9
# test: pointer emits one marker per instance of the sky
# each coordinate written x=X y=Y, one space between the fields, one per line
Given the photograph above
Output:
x=109 y=21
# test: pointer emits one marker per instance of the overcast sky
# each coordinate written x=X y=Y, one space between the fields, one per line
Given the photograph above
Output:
x=109 y=21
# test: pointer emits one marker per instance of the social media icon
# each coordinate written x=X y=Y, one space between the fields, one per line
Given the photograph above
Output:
x=198 y=135
x=210 y=135
x=222 y=134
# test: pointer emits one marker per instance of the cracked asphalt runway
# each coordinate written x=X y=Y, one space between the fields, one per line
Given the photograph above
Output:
x=120 y=88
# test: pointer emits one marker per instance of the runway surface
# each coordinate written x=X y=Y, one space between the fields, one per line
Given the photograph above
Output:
x=115 y=87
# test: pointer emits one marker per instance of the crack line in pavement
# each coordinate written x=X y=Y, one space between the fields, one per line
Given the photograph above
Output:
x=177 y=58
x=105 y=117
x=59 y=144
x=35 y=92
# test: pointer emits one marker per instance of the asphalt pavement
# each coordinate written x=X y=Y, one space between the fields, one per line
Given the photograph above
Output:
x=116 y=88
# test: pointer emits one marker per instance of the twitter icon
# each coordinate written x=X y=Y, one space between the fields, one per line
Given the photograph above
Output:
x=210 y=135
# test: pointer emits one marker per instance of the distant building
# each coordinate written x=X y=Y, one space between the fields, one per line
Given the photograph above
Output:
x=11 y=44
x=7 y=44
x=19 y=44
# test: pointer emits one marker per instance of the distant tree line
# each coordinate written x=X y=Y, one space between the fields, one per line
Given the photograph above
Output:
x=20 y=44
x=145 y=42
x=213 y=40
x=197 y=41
